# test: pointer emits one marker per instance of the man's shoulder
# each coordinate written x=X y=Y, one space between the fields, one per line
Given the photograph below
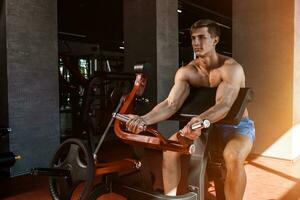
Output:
x=231 y=65
x=232 y=70
x=184 y=71
x=192 y=75
x=229 y=61
x=190 y=67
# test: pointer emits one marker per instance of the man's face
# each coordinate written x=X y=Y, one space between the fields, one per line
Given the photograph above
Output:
x=203 y=43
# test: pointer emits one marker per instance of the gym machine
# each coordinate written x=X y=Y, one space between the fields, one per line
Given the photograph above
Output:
x=205 y=151
x=90 y=102
x=73 y=163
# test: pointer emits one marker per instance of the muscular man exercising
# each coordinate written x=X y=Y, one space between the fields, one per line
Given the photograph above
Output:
x=209 y=69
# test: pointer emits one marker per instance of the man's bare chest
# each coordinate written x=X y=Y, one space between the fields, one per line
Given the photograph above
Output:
x=205 y=79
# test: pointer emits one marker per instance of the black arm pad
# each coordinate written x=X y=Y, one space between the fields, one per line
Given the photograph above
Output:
x=201 y=99
x=237 y=110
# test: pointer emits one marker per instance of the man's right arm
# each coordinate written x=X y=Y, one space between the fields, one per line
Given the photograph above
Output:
x=166 y=108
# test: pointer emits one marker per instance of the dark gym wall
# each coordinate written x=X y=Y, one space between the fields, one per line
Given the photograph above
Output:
x=31 y=75
x=4 y=144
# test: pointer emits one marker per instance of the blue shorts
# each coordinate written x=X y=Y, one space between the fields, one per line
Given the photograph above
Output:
x=245 y=127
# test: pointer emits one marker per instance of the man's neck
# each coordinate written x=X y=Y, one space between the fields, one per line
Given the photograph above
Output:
x=212 y=60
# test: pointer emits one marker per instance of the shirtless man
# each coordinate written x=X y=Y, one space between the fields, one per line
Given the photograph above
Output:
x=209 y=69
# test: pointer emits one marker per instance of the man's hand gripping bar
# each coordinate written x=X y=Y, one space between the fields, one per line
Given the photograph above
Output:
x=124 y=118
x=185 y=141
x=204 y=124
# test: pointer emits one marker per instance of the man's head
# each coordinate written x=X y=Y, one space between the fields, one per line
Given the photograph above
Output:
x=205 y=35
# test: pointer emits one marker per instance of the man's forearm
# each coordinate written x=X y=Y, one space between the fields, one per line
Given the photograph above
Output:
x=160 y=112
x=215 y=113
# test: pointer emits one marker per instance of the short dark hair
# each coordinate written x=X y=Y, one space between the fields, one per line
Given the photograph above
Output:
x=213 y=27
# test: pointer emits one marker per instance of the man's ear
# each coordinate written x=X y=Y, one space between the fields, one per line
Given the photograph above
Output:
x=216 y=40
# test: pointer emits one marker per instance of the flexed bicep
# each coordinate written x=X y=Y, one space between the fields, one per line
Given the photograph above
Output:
x=228 y=89
x=226 y=94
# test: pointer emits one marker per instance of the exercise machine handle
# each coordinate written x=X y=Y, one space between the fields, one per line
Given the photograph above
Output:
x=124 y=118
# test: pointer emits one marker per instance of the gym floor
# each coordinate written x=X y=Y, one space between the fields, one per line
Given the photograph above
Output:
x=268 y=179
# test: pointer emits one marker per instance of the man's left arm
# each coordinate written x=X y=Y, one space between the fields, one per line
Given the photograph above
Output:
x=227 y=91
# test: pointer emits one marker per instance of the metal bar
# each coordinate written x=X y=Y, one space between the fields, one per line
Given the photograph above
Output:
x=53 y=172
x=72 y=34
x=124 y=118
x=107 y=129
x=204 y=124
